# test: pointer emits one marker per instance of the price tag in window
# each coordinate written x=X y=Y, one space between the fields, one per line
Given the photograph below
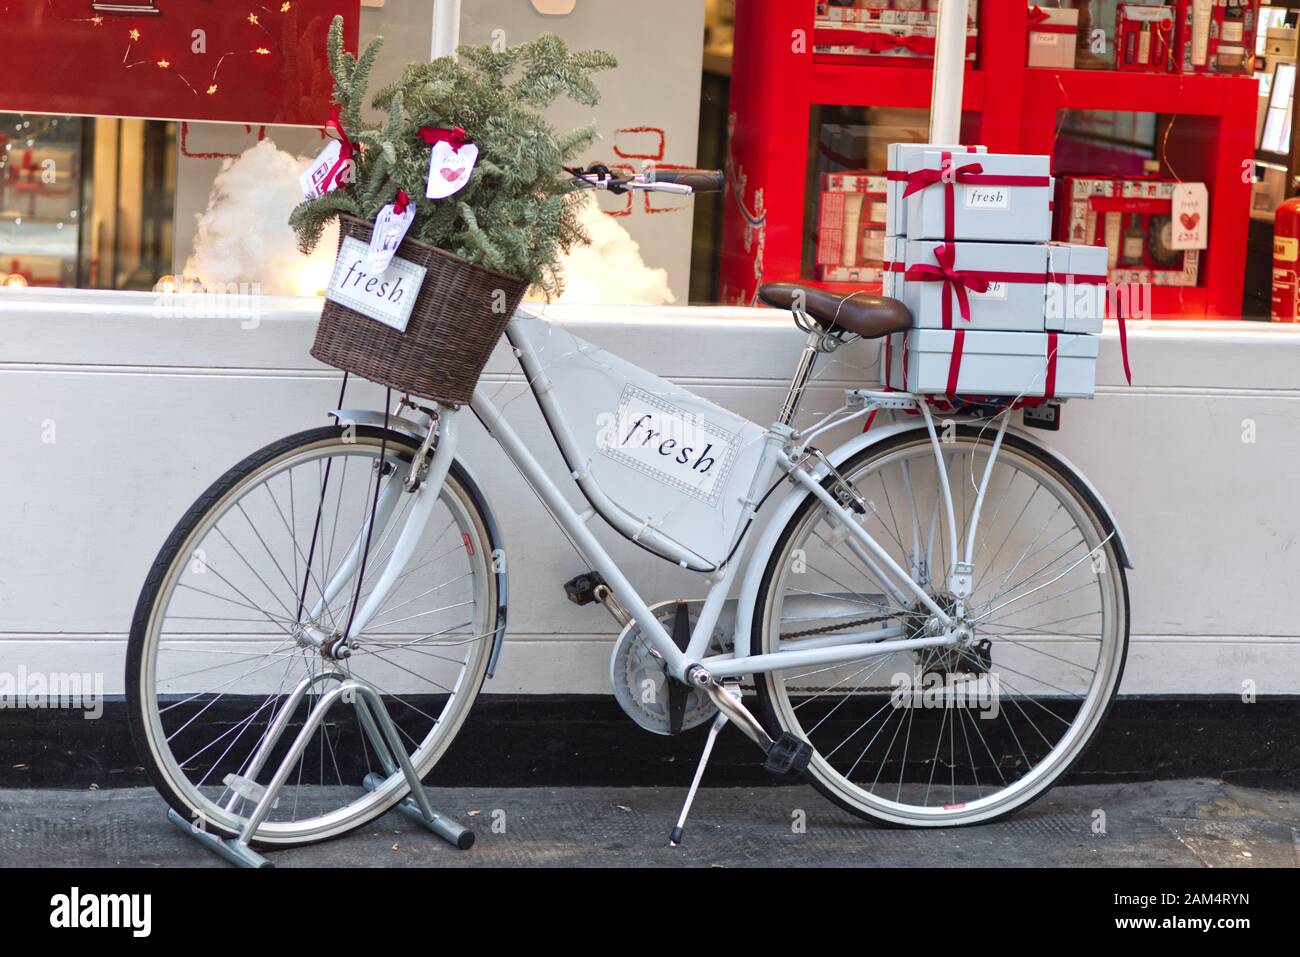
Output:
x=1191 y=215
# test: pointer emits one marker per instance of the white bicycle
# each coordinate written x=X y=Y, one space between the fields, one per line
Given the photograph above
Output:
x=933 y=619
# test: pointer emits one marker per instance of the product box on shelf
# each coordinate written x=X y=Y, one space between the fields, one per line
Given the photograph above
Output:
x=1133 y=220
x=1215 y=36
x=1144 y=37
x=993 y=197
x=984 y=286
x=886 y=11
x=1053 y=33
x=898 y=156
x=978 y=362
x=1076 y=288
x=884 y=42
x=851 y=226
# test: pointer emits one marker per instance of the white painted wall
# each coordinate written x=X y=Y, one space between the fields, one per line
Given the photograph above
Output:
x=145 y=411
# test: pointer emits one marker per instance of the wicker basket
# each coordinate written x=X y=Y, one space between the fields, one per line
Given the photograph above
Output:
x=452 y=330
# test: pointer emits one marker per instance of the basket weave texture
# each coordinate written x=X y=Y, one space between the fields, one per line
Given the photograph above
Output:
x=459 y=314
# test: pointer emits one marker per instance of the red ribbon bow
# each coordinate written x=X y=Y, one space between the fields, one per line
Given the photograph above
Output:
x=1038 y=23
x=346 y=151
x=880 y=42
x=455 y=136
x=946 y=173
x=401 y=202
x=955 y=281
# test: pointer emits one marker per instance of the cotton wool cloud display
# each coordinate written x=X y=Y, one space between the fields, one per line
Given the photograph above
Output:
x=610 y=270
x=244 y=236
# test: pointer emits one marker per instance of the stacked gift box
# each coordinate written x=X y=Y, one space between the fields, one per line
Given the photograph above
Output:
x=851 y=227
x=901 y=31
x=997 y=308
x=1132 y=219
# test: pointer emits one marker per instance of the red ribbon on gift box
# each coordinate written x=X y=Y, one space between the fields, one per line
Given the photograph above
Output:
x=1076 y=279
x=954 y=367
x=957 y=281
x=969 y=173
x=346 y=150
x=1037 y=23
x=899 y=176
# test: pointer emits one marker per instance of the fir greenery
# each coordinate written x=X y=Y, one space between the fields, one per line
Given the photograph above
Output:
x=516 y=214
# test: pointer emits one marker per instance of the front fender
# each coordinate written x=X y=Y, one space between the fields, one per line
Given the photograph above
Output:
x=766 y=543
x=416 y=426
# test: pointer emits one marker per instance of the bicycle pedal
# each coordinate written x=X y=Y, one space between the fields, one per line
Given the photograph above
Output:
x=581 y=589
x=788 y=755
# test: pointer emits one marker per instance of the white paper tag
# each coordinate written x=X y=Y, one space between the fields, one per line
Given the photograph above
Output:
x=449 y=169
x=388 y=296
x=986 y=197
x=316 y=181
x=1191 y=214
x=388 y=233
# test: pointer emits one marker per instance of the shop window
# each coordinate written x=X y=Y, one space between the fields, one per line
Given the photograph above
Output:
x=844 y=225
x=86 y=202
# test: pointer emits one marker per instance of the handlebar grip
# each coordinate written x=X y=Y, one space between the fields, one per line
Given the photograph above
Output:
x=699 y=180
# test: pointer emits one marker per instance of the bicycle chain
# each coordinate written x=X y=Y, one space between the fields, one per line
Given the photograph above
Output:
x=826 y=629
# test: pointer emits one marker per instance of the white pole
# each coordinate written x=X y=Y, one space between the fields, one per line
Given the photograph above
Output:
x=949 y=72
x=446 y=28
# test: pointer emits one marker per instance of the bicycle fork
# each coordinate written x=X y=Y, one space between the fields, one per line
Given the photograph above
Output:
x=424 y=481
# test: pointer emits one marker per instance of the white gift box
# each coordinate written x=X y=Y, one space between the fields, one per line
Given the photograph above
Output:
x=897 y=157
x=993 y=197
x=1052 y=36
x=930 y=277
x=1076 y=288
x=956 y=362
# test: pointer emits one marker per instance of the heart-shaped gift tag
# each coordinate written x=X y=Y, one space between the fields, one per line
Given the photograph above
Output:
x=449 y=168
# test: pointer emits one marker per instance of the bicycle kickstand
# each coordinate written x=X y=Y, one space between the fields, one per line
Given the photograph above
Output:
x=719 y=721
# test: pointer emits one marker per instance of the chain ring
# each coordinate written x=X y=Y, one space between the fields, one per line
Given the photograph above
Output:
x=640 y=682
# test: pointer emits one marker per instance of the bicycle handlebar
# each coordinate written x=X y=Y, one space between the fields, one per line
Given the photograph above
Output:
x=686 y=181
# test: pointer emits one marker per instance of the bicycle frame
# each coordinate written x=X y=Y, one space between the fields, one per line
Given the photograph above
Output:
x=787 y=453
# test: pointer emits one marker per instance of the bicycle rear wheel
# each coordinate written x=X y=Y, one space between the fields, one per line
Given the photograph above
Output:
x=218 y=637
x=962 y=735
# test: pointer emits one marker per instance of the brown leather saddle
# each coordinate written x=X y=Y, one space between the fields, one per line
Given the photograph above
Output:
x=860 y=313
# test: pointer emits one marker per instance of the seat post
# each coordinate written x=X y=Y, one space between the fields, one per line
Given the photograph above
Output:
x=812 y=344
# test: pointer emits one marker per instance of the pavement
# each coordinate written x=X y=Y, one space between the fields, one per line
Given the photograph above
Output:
x=1184 y=823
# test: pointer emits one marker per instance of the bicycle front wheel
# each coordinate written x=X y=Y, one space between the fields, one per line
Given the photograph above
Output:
x=956 y=734
x=234 y=610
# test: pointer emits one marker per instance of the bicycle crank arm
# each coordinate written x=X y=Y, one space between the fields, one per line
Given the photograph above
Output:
x=735 y=711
